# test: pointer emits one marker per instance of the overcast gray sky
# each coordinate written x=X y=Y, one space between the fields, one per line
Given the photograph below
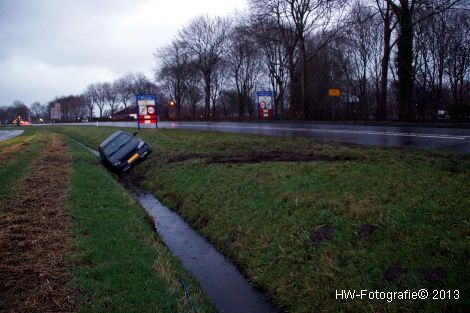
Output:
x=53 y=48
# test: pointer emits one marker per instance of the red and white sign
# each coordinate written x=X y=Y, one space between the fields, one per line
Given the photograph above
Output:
x=147 y=114
x=147 y=119
x=146 y=109
x=151 y=110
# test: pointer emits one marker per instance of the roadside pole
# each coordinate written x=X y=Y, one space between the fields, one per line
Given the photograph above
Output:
x=333 y=92
x=333 y=108
x=138 y=113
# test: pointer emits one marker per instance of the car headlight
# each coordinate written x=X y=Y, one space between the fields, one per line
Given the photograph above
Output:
x=141 y=144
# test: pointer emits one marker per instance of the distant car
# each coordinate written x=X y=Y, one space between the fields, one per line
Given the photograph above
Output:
x=121 y=150
x=20 y=122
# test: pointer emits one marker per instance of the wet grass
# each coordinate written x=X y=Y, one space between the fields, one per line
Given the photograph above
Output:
x=15 y=156
x=366 y=218
x=34 y=236
x=120 y=266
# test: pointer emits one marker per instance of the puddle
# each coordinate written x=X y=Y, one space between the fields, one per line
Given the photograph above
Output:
x=224 y=285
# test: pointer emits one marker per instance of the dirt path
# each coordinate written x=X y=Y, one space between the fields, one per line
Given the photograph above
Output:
x=35 y=239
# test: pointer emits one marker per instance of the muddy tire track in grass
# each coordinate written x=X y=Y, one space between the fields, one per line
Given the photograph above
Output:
x=35 y=238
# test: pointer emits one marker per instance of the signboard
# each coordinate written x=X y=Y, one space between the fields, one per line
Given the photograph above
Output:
x=333 y=92
x=265 y=100
x=146 y=110
x=55 y=111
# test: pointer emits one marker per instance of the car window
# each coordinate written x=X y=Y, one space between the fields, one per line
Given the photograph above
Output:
x=116 y=143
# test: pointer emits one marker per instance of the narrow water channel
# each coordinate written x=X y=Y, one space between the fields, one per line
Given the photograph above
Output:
x=221 y=281
x=225 y=286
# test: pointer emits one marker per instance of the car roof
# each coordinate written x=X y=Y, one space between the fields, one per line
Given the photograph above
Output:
x=111 y=138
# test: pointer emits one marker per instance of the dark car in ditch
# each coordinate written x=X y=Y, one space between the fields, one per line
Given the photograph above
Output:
x=120 y=151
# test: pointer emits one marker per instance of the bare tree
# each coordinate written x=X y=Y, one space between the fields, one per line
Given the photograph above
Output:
x=20 y=109
x=176 y=72
x=141 y=84
x=275 y=60
x=361 y=46
x=99 y=96
x=218 y=83
x=36 y=110
x=72 y=108
x=269 y=18
x=111 y=94
x=458 y=63
x=244 y=63
x=124 y=89
x=388 y=26
x=408 y=14
x=90 y=98
x=204 y=38
x=194 y=96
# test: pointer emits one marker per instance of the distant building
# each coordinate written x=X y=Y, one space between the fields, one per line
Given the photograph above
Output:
x=129 y=113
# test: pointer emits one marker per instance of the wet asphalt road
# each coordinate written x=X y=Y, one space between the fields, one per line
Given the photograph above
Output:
x=7 y=134
x=429 y=138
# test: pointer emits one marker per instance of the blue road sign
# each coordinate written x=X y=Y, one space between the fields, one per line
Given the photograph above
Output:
x=145 y=97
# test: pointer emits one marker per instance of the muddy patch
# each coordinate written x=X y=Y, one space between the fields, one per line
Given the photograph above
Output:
x=433 y=276
x=34 y=238
x=393 y=273
x=231 y=238
x=321 y=234
x=185 y=156
x=366 y=230
x=261 y=157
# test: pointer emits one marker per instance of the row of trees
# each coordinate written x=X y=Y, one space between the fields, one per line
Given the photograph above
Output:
x=118 y=94
x=10 y=113
x=391 y=59
x=106 y=97
x=73 y=108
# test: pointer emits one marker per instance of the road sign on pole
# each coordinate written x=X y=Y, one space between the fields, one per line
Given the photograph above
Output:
x=333 y=92
x=55 y=111
x=265 y=100
x=146 y=110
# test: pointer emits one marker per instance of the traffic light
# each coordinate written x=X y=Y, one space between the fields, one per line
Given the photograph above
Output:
x=172 y=103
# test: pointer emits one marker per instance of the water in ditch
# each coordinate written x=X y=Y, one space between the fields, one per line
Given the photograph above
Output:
x=225 y=286
x=221 y=281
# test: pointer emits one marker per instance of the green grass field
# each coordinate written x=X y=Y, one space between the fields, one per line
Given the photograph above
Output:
x=118 y=264
x=15 y=156
x=345 y=217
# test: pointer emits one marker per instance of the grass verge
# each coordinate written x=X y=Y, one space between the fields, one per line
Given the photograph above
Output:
x=15 y=156
x=120 y=266
x=345 y=218
x=116 y=264
x=34 y=235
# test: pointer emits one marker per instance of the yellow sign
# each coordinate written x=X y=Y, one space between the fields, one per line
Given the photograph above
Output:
x=333 y=92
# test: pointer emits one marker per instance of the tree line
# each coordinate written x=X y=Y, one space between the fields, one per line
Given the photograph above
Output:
x=406 y=60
